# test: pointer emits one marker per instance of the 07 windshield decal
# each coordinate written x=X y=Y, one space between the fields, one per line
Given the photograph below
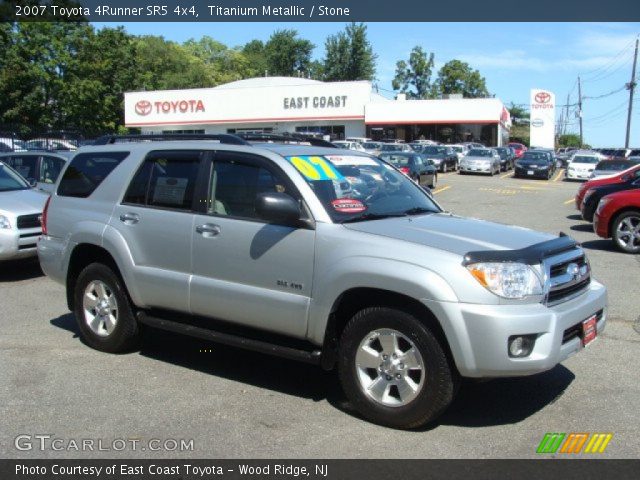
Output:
x=315 y=168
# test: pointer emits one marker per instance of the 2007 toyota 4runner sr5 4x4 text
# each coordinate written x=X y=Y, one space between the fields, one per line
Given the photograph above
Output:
x=317 y=254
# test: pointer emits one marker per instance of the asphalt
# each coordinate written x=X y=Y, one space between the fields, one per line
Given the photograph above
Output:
x=236 y=404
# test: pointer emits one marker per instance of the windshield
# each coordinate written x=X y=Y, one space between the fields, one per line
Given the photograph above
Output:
x=585 y=159
x=480 y=153
x=534 y=156
x=355 y=188
x=391 y=147
x=371 y=145
x=10 y=180
x=458 y=148
x=613 y=165
x=397 y=160
x=431 y=150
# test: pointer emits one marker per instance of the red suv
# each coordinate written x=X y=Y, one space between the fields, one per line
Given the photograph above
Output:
x=618 y=217
x=624 y=176
x=519 y=148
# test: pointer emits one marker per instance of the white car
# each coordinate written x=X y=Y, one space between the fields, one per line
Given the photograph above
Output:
x=349 y=145
x=461 y=150
x=11 y=145
x=581 y=166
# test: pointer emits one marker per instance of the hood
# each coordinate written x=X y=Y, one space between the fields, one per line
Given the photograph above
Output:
x=22 y=202
x=454 y=234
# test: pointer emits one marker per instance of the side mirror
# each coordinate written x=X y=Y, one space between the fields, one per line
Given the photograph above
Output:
x=33 y=182
x=277 y=207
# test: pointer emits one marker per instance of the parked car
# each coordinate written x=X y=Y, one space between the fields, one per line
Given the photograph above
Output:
x=395 y=147
x=11 y=145
x=420 y=169
x=20 y=210
x=507 y=158
x=461 y=150
x=581 y=165
x=593 y=195
x=611 y=167
x=372 y=148
x=358 y=139
x=40 y=169
x=618 y=217
x=519 y=148
x=349 y=145
x=534 y=164
x=443 y=157
x=50 y=144
x=622 y=177
x=481 y=160
x=398 y=294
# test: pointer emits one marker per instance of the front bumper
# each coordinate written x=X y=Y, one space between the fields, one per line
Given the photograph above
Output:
x=478 y=334
x=575 y=175
x=469 y=168
x=17 y=244
x=531 y=172
x=599 y=227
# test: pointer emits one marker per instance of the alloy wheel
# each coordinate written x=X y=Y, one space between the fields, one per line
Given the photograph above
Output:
x=100 y=308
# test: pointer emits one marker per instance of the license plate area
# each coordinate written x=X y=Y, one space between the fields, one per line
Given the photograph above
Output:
x=529 y=172
x=589 y=330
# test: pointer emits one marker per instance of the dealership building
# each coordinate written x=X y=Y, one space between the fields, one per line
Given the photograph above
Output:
x=335 y=109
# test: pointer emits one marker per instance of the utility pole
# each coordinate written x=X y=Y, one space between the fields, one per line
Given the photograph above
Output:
x=580 y=110
x=631 y=86
x=566 y=115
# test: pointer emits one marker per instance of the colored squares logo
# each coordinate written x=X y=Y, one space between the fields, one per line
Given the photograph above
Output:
x=574 y=443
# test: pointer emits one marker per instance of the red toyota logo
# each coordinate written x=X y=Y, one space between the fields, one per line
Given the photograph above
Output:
x=542 y=97
x=143 y=107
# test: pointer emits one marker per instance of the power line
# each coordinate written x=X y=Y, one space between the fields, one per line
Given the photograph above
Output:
x=604 y=95
x=607 y=66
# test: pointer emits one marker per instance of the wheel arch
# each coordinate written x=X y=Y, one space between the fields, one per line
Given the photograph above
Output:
x=619 y=212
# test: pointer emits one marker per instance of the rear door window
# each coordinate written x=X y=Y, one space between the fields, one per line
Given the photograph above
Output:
x=87 y=171
x=50 y=168
x=25 y=165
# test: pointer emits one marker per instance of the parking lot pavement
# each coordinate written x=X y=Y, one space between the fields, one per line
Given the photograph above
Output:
x=237 y=404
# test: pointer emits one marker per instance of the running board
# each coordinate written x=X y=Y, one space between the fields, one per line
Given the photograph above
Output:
x=232 y=340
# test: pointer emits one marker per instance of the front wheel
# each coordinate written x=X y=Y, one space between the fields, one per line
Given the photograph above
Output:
x=103 y=310
x=444 y=167
x=393 y=369
x=626 y=232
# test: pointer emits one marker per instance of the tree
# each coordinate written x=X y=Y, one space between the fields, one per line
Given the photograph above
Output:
x=414 y=78
x=287 y=55
x=349 y=55
x=256 y=58
x=519 y=115
x=569 y=140
x=458 y=77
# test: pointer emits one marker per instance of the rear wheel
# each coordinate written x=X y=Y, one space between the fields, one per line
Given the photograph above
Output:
x=444 y=167
x=393 y=369
x=626 y=232
x=103 y=311
x=434 y=180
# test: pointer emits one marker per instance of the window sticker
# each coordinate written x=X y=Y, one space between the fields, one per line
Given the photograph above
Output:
x=170 y=191
x=348 y=205
x=353 y=160
x=315 y=168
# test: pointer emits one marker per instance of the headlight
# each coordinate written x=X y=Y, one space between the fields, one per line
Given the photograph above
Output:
x=4 y=222
x=587 y=195
x=507 y=280
x=601 y=205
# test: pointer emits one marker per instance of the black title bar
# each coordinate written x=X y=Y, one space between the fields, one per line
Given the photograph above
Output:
x=320 y=10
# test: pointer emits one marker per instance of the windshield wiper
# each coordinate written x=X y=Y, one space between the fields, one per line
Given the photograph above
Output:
x=418 y=211
x=372 y=216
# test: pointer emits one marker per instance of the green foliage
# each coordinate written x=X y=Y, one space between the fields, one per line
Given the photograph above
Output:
x=287 y=55
x=458 y=77
x=414 y=78
x=569 y=140
x=349 y=55
x=519 y=115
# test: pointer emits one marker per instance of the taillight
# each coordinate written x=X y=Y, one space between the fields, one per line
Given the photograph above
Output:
x=43 y=217
x=405 y=170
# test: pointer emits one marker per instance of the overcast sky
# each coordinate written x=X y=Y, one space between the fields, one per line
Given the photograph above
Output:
x=513 y=57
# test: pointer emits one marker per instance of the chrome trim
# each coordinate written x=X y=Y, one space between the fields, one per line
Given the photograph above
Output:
x=566 y=280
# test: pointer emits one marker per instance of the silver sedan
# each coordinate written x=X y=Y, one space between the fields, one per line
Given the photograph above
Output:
x=481 y=160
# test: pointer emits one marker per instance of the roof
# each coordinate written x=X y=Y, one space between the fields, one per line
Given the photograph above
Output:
x=258 y=82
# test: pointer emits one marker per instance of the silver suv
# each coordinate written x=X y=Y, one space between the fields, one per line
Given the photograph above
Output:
x=317 y=254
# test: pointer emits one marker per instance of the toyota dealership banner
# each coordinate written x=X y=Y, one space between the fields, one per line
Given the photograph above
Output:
x=543 y=118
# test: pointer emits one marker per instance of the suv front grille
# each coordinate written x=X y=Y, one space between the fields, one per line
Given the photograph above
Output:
x=567 y=277
x=29 y=221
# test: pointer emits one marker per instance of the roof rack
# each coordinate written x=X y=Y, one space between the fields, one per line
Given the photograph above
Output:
x=222 y=138
x=287 y=138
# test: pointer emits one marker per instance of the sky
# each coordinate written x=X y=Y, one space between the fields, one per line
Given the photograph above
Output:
x=513 y=57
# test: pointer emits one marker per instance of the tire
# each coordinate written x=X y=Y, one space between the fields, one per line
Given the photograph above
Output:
x=622 y=232
x=426 y=391
x=116 y=329
x=434 y=181
x=444 y=167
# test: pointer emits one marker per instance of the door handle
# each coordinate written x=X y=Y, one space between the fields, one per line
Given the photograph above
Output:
x=129 y=218
x=208 y=230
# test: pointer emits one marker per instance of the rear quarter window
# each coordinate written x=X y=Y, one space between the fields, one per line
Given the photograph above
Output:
x=87 y=171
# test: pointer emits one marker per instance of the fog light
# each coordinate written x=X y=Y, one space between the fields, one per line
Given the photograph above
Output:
x=521 y=345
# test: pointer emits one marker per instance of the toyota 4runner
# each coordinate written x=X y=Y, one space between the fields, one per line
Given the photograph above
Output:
x=317 y=254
